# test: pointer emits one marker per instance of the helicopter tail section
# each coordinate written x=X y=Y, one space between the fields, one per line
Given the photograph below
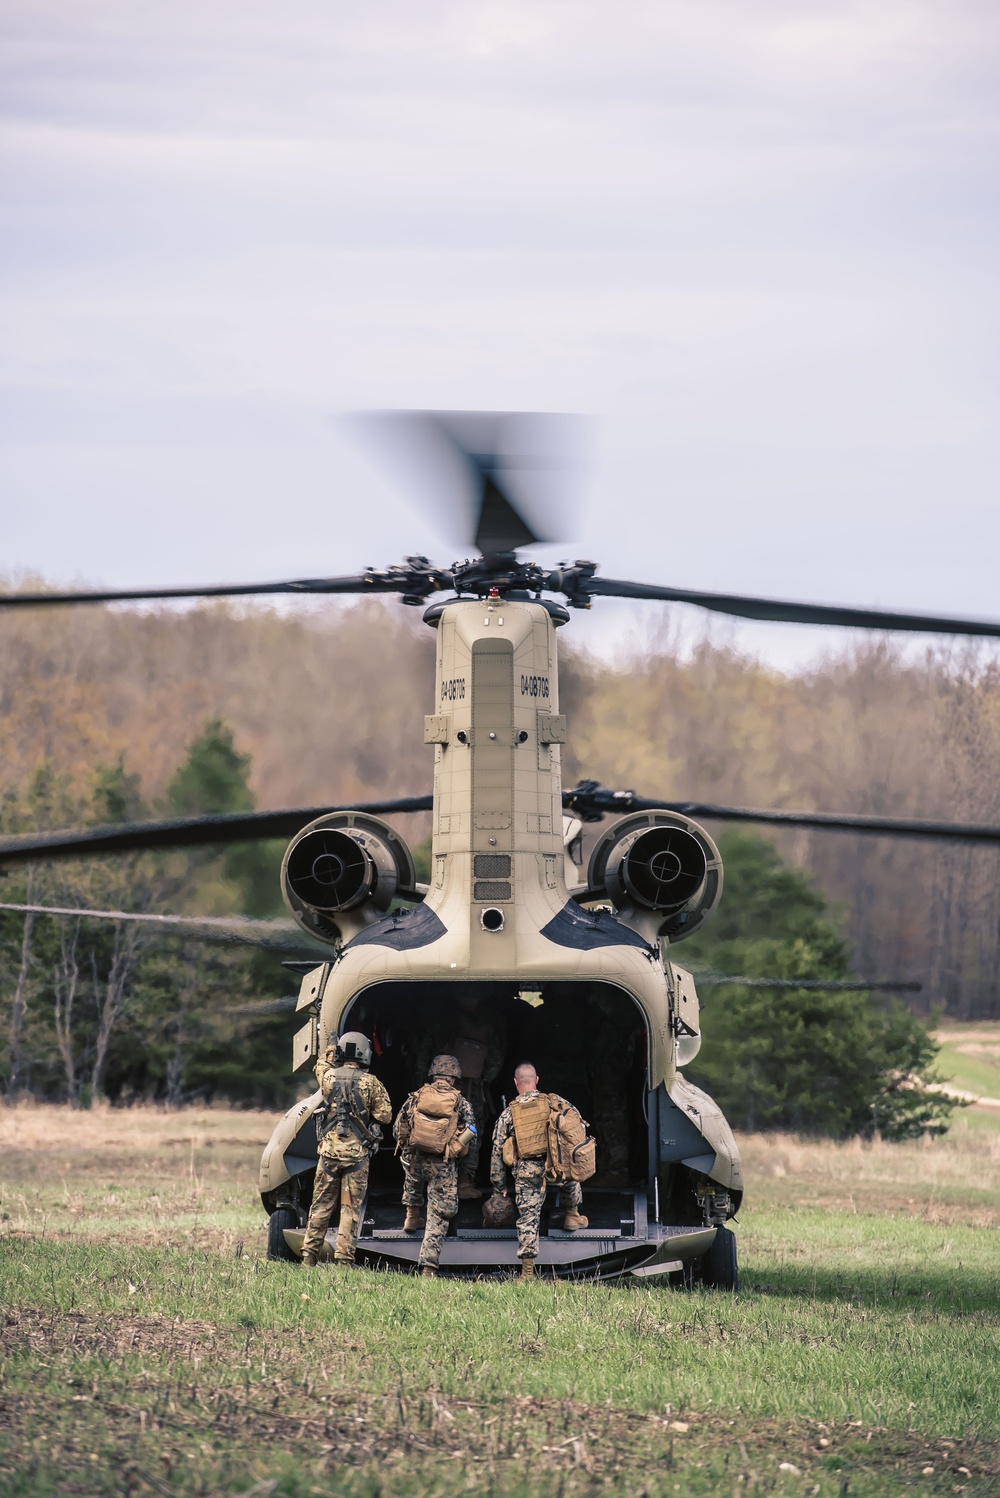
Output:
x=700 y=1173
x=288 y=1164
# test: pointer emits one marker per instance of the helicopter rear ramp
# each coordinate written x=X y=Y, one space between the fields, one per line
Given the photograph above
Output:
x=619 y=1240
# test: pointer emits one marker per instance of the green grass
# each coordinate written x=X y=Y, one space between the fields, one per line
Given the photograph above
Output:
x=862 y=1349
x=969 y=1060
x=971 y=1072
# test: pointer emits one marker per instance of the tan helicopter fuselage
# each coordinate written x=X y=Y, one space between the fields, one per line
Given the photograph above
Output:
x=498 y=916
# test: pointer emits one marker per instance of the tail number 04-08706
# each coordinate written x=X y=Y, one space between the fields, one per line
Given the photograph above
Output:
x=534 y=686
x=453 y=690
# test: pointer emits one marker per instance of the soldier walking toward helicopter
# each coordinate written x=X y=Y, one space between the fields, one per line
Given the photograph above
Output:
x=433 y=1129
x=356 y=1104
x=476 y=1036
x=520 y=1140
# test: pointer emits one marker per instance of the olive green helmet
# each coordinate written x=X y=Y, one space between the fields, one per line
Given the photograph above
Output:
x=355 y=1047
x=445 y=1066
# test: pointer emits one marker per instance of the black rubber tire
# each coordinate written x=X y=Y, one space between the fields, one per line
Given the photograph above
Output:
x=718 y=1266
x=277 y=1248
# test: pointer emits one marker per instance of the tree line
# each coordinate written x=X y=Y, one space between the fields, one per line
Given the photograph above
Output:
x=329 y=702
x=102 y=712
x=119 y=1009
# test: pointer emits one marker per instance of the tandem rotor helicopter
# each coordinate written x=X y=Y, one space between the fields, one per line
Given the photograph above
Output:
x=509 y=947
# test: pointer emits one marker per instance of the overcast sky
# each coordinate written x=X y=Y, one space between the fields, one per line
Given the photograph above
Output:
x=757 y=242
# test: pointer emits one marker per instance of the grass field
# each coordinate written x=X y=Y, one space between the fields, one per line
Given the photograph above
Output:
x=969 y=1060
x=149 y=1347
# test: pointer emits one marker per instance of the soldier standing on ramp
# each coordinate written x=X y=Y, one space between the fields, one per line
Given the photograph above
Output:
x=434 y=1128
x=356 y=1103
x=521 y=1140
x=477 y=1037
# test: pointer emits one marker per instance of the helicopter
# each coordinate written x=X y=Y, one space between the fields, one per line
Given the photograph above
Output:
x=574 y=970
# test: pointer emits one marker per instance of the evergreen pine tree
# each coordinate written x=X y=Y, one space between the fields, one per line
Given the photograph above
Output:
x=821 y=1061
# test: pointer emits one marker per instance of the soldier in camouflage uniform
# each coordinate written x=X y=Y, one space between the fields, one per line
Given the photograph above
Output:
x=530 y=1185
x=477 y=1036
x=356 y=1101
x=437 y=1174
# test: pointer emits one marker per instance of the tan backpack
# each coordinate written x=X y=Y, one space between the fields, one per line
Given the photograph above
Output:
x=548 y=1128
x=435 y=1119
x=572 y=1154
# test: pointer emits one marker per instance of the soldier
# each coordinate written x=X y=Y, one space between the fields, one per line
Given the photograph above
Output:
x=356 y=1103
x=477 y=1036
x=524 y=1130
x=434 y=1128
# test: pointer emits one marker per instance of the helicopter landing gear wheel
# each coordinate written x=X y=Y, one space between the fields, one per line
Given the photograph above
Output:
x=718 y=1266
x=277 y=1248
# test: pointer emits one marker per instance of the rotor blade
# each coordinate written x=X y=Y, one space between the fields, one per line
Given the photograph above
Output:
x=274 y=936
x=498 y=480
x=821 y=985
x=392 y=581
x=185 y=832
x=261 y=1007
x=780 y=612
x=591 y=801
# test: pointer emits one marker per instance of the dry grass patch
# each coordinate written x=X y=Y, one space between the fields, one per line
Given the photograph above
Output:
x=953 y=1179
x=40 y=1128
x=171 y=1178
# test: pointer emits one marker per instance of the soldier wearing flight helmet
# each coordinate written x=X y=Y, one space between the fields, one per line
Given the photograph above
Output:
x=356 y=1104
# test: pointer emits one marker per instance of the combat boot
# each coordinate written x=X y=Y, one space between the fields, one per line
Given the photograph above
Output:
x=309 y=1261
x=467 y=1188
x=415 y=1222
x=527 y=1269
x=573 y=1220
x=428 y=1272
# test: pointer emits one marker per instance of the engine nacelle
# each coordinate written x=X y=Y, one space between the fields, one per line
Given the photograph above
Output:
x=658 y=861
x=343 y=863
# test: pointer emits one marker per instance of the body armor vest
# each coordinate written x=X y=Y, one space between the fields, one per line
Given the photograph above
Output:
x=347 y=1112
x=530 y=1117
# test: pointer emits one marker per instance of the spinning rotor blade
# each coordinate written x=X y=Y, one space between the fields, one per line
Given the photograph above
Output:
x=272 y=936
x=262 y=1007
x=820 y=985
x=185 y=832
x=781 y=612
x=280 y=936
x=588 y=800
x=497 y=478
x=591 y=802
x=392 y=581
